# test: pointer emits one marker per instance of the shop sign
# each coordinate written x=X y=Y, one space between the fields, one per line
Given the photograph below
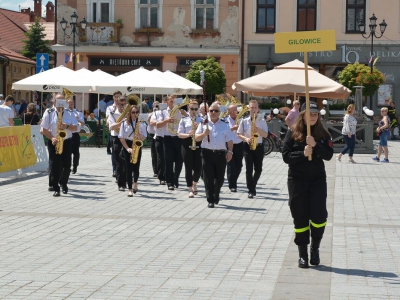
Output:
x=125 y=62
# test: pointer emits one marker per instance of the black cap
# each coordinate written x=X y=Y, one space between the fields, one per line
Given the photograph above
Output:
x=313 y=107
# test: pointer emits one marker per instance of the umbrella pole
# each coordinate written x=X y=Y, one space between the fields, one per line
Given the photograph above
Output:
x=307 y=97
x=83 y=103
x=41 y=104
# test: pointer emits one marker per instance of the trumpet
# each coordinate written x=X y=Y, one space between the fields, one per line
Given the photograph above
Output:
x=132 y=100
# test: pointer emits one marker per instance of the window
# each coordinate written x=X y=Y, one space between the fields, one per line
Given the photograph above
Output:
x=100 y=11
x=355 y=12
x=149 y=13
x=306 y=15
x=205 y=14
x=266 y=16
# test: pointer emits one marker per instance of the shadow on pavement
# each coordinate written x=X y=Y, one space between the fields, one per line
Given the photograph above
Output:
x=159 y=198
x=357 y=272
x=84 y=183
x=240 y=207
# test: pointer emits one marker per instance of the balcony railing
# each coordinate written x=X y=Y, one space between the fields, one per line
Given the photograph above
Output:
x=100 y=33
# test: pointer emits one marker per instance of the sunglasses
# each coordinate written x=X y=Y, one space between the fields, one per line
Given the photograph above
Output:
x=214 y=110
x=297 y=104
x=192 y=108
x=134 y=112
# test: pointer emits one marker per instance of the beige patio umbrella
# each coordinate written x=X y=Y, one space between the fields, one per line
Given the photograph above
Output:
x=288 y=79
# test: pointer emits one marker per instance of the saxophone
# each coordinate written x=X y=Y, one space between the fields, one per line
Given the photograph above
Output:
x=61 y=134
x=171 y=126
x=254 y=133
x=136 y=144
x=132 y=100
x=193 y=147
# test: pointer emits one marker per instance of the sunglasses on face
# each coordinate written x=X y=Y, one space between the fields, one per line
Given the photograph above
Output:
x=194 y=108
x=214 y=110
x=134 y=112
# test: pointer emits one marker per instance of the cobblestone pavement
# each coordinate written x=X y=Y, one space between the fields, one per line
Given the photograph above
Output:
x=96 y=243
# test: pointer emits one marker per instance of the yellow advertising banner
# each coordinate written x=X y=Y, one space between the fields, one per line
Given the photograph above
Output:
x=305 y=41
x=16 y=148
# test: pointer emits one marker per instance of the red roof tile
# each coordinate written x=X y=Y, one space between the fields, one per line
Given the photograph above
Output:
x=14 y=56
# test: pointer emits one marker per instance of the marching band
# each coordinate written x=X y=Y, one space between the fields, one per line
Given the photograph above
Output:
x=201 y=137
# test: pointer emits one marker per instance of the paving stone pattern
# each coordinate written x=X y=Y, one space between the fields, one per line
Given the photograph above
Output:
x=96 y=243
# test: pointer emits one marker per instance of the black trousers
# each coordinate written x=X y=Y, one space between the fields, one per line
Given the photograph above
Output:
x=254 y=160
x=76 y=141
x=109 y=143
x=234 y=167
x=60 y=165
x=153 y=153
x=173 y=159
x=307 y=201
x=192 y=161
x=160 y=158
x=120 y=169
x=214 y=164
x=131 y=168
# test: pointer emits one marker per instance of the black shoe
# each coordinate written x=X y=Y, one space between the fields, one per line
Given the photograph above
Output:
x=210 y=205
x=51 y=189
x=134 y=191
x=176 y=186
x=303 y=256
x=155 y=175
x=171 y=188
x=314 y=252
x=233 y=190
x=114 y=174
x=162 y=182
x=121 y=189
x=56 y=194
x=250 y=195
x=74 y=170
x=65 y=189
x=109 y=152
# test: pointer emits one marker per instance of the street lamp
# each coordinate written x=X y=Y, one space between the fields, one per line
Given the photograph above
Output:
x=288 y=102
x=372 y=33
x=73 y=23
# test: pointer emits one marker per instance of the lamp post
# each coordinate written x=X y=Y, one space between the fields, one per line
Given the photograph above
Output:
x=288 y=102
x=372 y=33
x=73 y=23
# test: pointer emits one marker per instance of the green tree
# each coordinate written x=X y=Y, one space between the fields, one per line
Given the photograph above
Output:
x=359 y=74
x=214 y=75
x=35 y=42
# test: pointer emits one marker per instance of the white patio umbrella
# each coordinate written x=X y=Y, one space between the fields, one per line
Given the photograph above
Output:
x=47 y=81
x=183 y=86
x=139 y=81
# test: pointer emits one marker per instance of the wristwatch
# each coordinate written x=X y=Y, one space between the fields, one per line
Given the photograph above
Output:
x=231 y=152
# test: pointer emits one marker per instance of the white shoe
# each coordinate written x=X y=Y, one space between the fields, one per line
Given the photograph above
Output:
x=338 y=157
x=352 y=161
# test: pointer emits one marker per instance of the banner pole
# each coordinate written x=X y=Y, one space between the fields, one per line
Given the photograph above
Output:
x=307 y=97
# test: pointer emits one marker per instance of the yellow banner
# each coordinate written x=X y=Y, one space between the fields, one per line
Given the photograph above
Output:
x=305 y=41
x=16 y=148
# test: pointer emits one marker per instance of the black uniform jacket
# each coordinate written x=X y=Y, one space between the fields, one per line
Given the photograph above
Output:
x=299 y=165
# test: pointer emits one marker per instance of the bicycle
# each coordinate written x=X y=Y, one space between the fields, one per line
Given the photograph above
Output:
x=273 y=142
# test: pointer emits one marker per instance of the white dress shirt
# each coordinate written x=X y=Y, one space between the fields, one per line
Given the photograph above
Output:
x=220 y=134
x=79 y=116
x=111 y=109
x=50 y=121
x=245 y=128
x=158 y=116
x=185 y=125
x=128 y=133
x=151 y=129
x=112 y=119
x=232 y=123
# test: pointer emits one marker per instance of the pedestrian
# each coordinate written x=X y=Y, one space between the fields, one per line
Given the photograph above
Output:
x=1 y=99
x=307 y=181
x=393 y=119
x=23 y=107
x=145 y=106
x=30 y=117
x=383 y=131
x=214 y=137
x=6 y=113
x=234 y=166
x=349 y=133
x=293 y=114
x=251 y=128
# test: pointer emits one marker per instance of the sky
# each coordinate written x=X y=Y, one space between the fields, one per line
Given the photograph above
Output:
x=14 y=4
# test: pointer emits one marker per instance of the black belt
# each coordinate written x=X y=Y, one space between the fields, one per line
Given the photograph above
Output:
x=159 y=137
x=171 y=136
x=217 y=151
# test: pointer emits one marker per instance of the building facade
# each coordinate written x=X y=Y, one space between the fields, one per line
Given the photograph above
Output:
x=122 y=35
x=263 y=18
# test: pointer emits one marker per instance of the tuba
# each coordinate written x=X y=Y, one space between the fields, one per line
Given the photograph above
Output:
x=232 y=100
x=62 y=134
x=254 y=134
x=136 y=144
x=132 y=100
x=245 y=109
x=171 y=126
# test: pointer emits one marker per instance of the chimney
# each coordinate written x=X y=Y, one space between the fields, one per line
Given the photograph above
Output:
x=26 y=10
x=32 y=16
x=37 y=8
x=49 y=12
